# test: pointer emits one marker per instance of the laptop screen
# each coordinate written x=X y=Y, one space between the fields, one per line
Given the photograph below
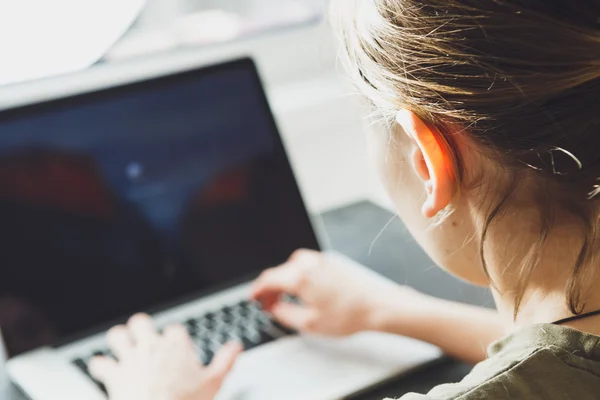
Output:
x=132 y=197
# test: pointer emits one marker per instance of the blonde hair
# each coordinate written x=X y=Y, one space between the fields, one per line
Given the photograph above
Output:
x=520 y=78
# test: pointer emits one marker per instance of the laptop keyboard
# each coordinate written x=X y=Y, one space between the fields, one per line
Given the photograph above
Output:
x=244 y=322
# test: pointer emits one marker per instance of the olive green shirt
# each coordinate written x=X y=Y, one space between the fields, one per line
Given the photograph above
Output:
x=542 y=362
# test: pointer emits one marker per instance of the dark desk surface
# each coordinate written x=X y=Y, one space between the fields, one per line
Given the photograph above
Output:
x=352 y=231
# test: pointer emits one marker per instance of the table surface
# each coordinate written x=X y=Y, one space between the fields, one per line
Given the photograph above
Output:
x=356 y=231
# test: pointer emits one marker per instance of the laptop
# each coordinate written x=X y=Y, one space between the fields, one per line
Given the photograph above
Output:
x=167 y=195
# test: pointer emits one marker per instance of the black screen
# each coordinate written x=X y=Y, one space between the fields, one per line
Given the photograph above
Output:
x=129 y=198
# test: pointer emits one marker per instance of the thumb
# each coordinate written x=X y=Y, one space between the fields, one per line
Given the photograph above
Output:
x=295 y=316
x=102 y=368
x=222 y=364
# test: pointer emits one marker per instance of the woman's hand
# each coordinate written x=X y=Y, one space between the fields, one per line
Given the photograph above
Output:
x=337 y=298
x=152 y=366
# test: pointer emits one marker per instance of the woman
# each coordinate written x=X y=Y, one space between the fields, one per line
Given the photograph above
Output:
x=493 y=161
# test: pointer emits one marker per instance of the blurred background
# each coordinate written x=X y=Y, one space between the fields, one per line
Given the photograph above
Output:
x=74 y=45
x=168 y=24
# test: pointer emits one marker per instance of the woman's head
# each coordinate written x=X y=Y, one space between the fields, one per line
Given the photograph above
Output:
x=499 y=105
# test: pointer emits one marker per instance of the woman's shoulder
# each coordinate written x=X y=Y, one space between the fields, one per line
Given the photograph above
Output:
x=460 y=391
x=524 y=368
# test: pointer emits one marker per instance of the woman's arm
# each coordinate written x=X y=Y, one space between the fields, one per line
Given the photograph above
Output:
x=338 y=299
x=460 y=330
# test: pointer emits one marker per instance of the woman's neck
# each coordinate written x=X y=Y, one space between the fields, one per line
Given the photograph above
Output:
x=542 y=308
x=545 y=299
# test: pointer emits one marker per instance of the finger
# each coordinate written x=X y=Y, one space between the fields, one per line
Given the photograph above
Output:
x=295 y=316
x=102 y=369
x=177 y=334
x=306 y=256
x=119 y=341
x=223 y=362
x=142 y=329
x=274 y=282
x=268 y=300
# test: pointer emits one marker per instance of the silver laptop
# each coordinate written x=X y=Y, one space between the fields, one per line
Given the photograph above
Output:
x=167 y=195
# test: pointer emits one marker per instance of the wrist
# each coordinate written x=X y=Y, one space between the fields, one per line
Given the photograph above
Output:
x=402 y=311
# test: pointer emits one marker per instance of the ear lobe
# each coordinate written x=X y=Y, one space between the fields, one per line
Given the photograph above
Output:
x=431 y=161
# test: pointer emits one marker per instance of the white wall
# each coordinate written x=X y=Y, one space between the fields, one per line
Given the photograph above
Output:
x=324 y=130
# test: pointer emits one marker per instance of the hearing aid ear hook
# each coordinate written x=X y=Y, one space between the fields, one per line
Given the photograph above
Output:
x=551 y=152
x=595 y=189
x=568 y=153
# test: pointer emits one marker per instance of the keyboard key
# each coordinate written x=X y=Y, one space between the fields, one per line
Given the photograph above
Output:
x=227 y=318
x=82 y=365
x=202 y=355
x=222 y=326
x=208 y=357
x=191 y=325
x=251 y=321
x=209 y=316
x=238 y=320
x=215 y=345
x=253 y=335
x=203 y=333
x=285 y=329
x=227 y=310
x=266 y=337
x=223 y=337
x=243 y=312
x=272 y=331
x=232 y=336
x=202 y=344
x=237 y=331
x=291 y=299
x=247 y=343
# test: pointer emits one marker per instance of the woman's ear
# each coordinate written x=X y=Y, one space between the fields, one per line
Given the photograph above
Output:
x=432 y=162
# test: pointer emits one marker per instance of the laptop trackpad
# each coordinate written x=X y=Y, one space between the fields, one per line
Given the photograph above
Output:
x=311 y=368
